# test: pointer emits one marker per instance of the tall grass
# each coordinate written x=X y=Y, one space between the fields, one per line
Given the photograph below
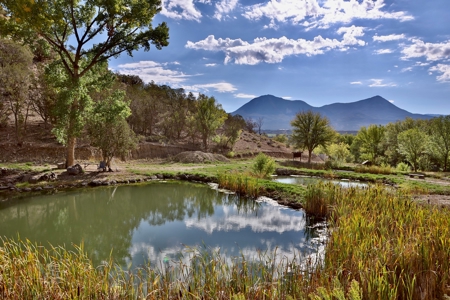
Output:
x=240 y=183
x=393 y=247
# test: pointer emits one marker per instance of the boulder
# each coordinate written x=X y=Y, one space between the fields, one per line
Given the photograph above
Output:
x=75 y=170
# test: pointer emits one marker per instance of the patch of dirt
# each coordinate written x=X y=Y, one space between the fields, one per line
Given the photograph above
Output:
x=196 y=157
x=440 y=200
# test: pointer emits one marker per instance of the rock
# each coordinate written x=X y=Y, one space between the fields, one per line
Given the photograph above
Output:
x=75 y=170
x=26 y=178
x=61 y=165
x=34 y=178
x=2 y=187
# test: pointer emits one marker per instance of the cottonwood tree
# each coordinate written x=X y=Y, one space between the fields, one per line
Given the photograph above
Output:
x=412 y=143
x=84 y=34
x=311 y=130
x=107 y=126
x=259 y=123
x=440 y=140
x=370 y=139
x=16 y=73
x=210 y=116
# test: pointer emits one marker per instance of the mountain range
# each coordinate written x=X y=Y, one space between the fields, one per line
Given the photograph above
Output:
x=277 y=113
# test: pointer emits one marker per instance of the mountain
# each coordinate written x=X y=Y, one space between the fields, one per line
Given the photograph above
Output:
x=278 y=112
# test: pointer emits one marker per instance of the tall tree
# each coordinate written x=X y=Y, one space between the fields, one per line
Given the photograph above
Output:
x=440 y=140
x=84 y=34
x=210 y=116
x=310 y=130
x=15 y=79
x=412 y=143
x=370 y=139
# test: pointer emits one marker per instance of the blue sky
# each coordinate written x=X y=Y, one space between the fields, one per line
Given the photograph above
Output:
x=318 y=51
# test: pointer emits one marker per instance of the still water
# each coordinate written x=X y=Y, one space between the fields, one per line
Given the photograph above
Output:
x=156 y=222
x=306 y=180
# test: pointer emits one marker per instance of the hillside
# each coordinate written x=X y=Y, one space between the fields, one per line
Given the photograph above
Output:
x=278 y=112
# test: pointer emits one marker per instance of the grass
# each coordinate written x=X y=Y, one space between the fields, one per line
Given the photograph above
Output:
x=393 y=247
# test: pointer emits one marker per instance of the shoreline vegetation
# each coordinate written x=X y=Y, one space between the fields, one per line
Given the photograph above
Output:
x=382 y=245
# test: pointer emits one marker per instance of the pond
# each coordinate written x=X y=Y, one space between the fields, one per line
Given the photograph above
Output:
x=156 y=222
x=306 y=180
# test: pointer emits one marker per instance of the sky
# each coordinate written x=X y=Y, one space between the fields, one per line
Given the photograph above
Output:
x=318 y=51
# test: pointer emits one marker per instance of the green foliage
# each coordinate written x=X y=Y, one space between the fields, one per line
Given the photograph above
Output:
x=440 y=140
x=413 y=143
x=311 y=130
x=339 y=153
x=15 y=80
x=233 y=128
x=371 y=139
x=69 y=27
x=402 y=167
x=281 y=138
x=264 y=166
x=210 y=116
x=108 y=128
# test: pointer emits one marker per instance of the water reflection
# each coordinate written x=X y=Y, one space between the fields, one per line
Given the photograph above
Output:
x=156 y=222
x=306 y=180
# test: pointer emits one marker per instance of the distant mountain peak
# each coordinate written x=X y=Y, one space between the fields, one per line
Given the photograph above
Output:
x=278 y=112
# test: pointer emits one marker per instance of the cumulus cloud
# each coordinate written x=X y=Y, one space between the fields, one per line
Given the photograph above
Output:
x=431 y=51
x=321 y=13
x=381 y=83
x=210 y=65
x=444 y=70
x=387 y=38
x=224 y=7
x=180 y=9
x=356 y=82
x=221 y=87
x=152 y=71
x=384 y=51
x=274 y=50
x=246 y=96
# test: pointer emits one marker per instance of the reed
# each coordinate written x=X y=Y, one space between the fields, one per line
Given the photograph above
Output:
x=393 y=247
x=242 y=184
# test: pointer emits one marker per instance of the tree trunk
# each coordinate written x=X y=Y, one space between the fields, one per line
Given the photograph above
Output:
x=309 y=156
x=205 y=142
x=70 y=159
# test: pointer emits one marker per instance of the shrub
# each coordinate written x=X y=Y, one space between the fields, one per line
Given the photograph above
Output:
x=403 y=167
x=263 y=166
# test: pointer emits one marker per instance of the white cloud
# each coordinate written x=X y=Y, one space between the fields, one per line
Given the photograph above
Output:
x=274 y=50
x=224 y=7
x=246 y=96
x=221 y=87
x=180 y=9
x=356 y=82
x=380 y=83
x=444 y=70
x=152 y=71
x=392 y=101
x=431 y=51
x=387 y=38
x=408 y=69
x=321 y=13
x=287 y=97
x=384 y=51
x=211 y=65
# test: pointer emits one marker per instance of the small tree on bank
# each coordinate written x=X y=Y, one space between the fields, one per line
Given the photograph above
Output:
x=310 y=130
x=412 y=143
x=210 y=116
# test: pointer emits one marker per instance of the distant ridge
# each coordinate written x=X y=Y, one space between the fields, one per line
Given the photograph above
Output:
x=278 y=112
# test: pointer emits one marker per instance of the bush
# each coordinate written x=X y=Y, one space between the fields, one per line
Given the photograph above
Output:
x=403 y=167
x=264 y=166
